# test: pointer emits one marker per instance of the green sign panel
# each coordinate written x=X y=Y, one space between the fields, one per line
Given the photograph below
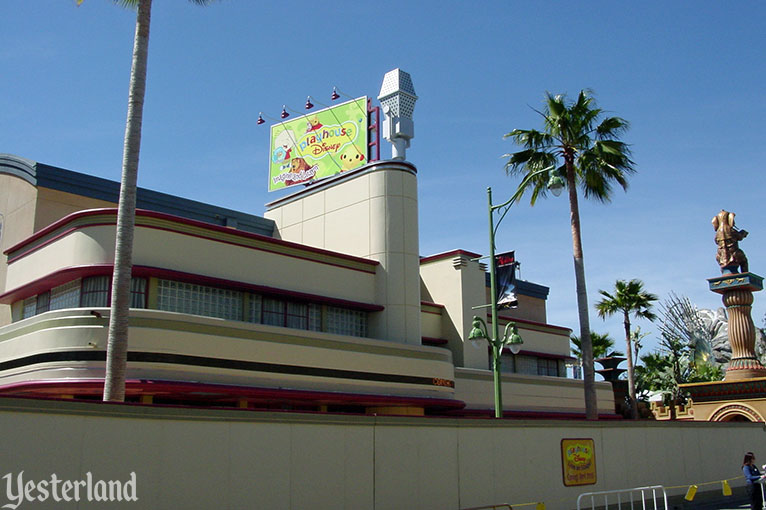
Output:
x=318 y=145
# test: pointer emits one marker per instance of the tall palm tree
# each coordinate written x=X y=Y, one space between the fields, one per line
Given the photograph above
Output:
x=628 y=298
x=117 y=346
x=589 y=155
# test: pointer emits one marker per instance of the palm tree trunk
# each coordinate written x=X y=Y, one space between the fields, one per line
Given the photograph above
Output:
x=631 y=377
x=117 y=346
x=589 y=382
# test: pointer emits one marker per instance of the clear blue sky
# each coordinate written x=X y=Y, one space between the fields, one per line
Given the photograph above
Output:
x=688 y=76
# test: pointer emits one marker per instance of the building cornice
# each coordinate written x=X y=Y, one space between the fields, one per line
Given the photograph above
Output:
x=448 y=255
x=41 y=175
x=375 y=166
x=170 y=223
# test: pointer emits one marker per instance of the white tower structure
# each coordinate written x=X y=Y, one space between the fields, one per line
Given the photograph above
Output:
x=397 y=97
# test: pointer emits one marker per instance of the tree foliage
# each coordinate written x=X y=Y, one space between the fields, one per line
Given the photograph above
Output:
x=671 y=365
x=683 y=356
x=602 y=346
x=628 y=298
x=584 y=148
x=680 y=320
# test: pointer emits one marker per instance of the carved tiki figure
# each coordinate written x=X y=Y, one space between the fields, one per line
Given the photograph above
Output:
x=727 y=237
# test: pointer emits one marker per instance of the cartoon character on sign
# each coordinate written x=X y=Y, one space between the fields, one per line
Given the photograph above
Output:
x=284 y=143
x=300 y=171
x=313 y=124
x=350 y=159
x=579 y=456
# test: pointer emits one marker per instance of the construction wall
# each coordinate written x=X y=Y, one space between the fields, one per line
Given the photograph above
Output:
x=190 y=458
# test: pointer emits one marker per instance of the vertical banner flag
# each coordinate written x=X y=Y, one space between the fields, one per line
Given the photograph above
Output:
x=505 y=272
x=318 y=145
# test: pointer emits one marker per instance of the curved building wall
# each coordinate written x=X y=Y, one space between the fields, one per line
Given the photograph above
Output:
x=371 y=212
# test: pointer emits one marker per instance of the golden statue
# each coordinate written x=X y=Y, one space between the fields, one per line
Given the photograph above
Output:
x=727 y=237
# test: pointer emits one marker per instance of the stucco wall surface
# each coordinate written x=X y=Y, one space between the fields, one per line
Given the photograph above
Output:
x=189 y=458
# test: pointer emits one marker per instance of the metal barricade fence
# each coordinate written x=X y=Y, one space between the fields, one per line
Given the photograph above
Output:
x=632 y=498
x=499 y=506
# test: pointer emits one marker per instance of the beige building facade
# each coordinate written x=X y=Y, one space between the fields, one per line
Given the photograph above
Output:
x=324 y=305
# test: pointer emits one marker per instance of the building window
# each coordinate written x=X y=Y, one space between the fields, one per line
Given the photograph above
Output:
x=526 y=364
x=290 y=314
x=507 y=363
x=95 y=291
x=343 y=321
x=297 y=315
x=65 y=296
x=254 y=312
x=273 y=312
x=547 y=367
x=174 y=296
x=43 y=302
x=315 y=317
x=181 y=297
x=30 y=307
x=138 y=292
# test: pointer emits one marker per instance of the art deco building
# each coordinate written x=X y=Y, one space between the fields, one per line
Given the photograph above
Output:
x=325 y=304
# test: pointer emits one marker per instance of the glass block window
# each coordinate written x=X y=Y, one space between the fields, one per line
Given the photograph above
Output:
x=43 y=302
x=138 y=293
x=95 y=291
x=30 y=307
x=343 y=321
x=66 y=295
x=526 y=364
x=507 y=363
x=199 y=300
x=315 y=317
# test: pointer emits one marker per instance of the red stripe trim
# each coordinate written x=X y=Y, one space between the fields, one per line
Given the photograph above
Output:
x=60 y=235
x=449 y=254
x=185 y=221
x=503 y=319
x=427 y=340
x=546 y=355
x=72 y=273
x=54 y=279
x=219 y=392
x=428 y=303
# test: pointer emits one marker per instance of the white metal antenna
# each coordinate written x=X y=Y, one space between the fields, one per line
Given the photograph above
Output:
x=397 y=98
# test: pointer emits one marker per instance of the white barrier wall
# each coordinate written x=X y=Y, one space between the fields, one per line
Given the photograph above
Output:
x=190 y=458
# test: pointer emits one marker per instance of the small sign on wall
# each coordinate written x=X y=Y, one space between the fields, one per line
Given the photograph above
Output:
x=578 y=462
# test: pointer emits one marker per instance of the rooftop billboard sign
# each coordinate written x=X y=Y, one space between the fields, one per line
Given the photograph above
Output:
x=318 y=145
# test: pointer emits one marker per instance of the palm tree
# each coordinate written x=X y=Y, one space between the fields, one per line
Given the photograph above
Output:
x=588 y=154
x=628 y=298
x=117 y=346
x=602 y=345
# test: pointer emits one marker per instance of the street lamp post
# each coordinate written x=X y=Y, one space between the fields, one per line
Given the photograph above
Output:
x=479 y=327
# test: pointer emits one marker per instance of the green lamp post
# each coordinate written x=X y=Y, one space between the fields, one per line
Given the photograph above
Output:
x=479 y=327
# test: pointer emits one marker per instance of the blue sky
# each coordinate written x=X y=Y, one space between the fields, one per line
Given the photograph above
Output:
x=689 y=78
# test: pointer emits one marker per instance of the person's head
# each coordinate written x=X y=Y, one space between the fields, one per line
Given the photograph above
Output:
x=749 y=459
